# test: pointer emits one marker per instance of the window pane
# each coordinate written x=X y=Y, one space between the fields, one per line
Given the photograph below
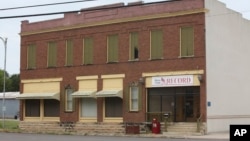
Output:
x=154 y=105
x=32 y=108
x=69 y=53
x=51 y=108
x=88 y=51
x=52 y=54
x=113 y=48
x=31 y=56
x=187 y=41
x=69 y=100
x=89 y=108
x=156 y=44
x=134 y=50
x=113 y=107
x=134 y=99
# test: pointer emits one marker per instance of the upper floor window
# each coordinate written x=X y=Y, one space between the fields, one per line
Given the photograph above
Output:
x=31 y=56
x=88 y=50
x=187 y=41
x=69 y=53
x=52 y=54
x=112 y=48
x=133 y=49
x=156 y=44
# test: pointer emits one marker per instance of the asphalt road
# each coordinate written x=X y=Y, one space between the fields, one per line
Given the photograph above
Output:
x=49 y=137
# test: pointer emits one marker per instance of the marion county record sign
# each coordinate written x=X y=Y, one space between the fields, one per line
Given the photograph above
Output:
x=170 y=81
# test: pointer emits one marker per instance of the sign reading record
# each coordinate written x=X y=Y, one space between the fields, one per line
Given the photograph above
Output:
x=170 y=81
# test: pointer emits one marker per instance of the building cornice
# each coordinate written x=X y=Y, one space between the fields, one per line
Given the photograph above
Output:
x=115 y=21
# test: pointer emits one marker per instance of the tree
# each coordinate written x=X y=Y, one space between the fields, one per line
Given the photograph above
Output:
x=14 y=82
x=11 y=82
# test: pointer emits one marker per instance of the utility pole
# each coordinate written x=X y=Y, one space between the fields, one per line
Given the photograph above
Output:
x=4 y=79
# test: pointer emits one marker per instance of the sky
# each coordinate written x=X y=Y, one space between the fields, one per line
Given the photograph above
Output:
x=10 y=28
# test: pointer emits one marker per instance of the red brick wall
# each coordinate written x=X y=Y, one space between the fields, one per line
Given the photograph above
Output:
x=132 y=70
x=122 y=11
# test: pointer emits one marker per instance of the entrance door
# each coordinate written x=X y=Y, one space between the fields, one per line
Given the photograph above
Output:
x=181 y=102
x=186 y=108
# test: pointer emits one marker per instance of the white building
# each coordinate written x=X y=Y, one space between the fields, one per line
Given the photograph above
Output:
x=227 y=67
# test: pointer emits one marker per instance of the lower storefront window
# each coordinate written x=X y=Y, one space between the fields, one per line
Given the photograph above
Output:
x=88 y=108
x=181 y=103
x=32 y=108
x=51 y=108
x=113 y=107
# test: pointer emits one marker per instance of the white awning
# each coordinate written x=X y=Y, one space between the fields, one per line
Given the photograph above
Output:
x=55 y=96
x=109 y=93
x=82 y=94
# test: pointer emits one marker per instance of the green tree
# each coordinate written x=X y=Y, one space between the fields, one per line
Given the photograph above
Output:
x=11 y=82
x=14 y=82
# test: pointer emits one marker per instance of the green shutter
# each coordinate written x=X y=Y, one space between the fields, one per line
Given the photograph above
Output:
x=52 y=54
x=187 y=41
x=31 y=57
x=113 y=48
x=156 y=44
x=134 y=50
x=140 y=102
x=127 y=98
x=88 y=51
x=69 y=53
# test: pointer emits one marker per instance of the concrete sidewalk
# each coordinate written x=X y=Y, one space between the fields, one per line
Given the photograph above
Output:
x=217 y=135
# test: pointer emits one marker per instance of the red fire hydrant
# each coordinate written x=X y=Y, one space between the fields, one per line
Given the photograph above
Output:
x=156 y=126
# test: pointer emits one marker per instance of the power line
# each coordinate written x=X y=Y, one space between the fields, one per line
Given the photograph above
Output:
x=36 y=15
x=76 y=11
x=91 y=9
x=41 y=5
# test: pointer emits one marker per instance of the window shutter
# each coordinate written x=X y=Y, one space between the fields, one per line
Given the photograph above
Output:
x=31 y=56
x=88 y=51
x=134 y=46
x=156 y=44
x=69 y=53
x=52 y=54
x=140 y=98
x=127 y=98
x=187 y=41
x=113 y=48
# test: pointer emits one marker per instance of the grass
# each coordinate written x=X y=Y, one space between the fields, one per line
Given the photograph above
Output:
x=9 y=124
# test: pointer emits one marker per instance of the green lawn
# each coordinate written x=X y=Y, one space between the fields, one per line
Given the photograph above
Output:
x=9 y=124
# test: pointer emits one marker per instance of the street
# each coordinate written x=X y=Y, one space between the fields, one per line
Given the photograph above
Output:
x=49 y=137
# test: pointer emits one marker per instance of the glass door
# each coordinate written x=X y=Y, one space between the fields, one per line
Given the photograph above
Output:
x=181 y=102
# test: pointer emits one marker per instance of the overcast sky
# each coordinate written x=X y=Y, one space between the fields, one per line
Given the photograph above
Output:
x=10 y=28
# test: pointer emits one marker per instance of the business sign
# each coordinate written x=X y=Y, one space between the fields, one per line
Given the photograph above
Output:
x=169 y=81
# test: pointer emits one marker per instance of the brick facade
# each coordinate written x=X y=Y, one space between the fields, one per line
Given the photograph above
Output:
x=39 y=33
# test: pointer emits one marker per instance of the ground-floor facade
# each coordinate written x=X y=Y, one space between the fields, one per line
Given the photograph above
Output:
x=114 y=98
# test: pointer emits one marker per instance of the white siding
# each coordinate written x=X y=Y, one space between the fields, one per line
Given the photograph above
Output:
x=228 y=67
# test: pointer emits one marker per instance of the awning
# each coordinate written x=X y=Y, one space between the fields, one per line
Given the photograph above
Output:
x=55 y=96
x=109 y=93
x=82 y=94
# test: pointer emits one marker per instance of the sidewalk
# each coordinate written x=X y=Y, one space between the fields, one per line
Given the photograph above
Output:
x=217 y=135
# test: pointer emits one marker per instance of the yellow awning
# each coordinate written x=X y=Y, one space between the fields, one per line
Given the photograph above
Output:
x=80 y=94
x=55 y=96
x=109 y=93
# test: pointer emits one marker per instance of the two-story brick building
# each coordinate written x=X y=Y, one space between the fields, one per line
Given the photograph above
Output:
x=116 y=64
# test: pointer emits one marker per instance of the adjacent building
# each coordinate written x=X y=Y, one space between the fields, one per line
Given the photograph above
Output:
x=11 y=105
x=131 y=63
